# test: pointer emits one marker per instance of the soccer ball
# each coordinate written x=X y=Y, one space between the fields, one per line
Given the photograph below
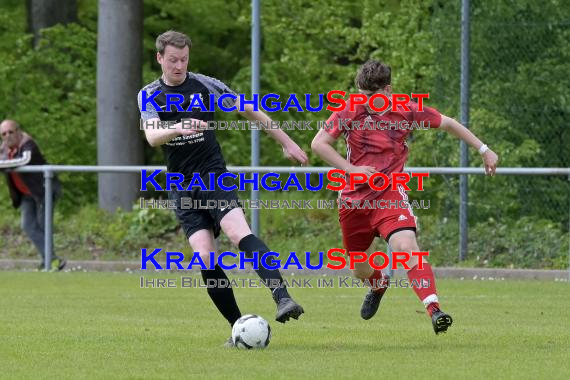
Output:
x=251 y=331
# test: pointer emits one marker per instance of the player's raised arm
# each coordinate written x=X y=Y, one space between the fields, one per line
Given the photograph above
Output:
x=322 y=146
x=291 y=150
x=490 y=158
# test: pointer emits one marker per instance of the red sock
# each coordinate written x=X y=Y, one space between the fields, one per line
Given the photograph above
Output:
x=378 y=281
x=423 y=282
x=432 y=307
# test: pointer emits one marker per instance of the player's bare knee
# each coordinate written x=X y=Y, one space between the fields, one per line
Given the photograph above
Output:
x=404 y=244
x=235 y=226
x=205 y=252
x=203 y=242
x=235 y=236
x=205 y=256
x=359 y=275
x=362 y=270
x=412 y=262
x=236 y=233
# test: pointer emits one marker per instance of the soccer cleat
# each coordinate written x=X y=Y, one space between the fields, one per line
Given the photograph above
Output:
x=440 y=321
x=371 y=304
x=58 y=264
x=287 y=308
x=229 y=343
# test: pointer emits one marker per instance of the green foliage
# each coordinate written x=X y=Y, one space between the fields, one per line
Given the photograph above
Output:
x=50 y=91
x=524 y=243
x=150 y=223
x=518 y=105
x=90 y=233
x=93 y=233
x=312 y=48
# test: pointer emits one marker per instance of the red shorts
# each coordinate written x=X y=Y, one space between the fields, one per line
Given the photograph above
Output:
x=360 y=226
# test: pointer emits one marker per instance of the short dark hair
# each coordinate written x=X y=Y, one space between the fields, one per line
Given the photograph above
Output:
x=174 y=38
x=373 y=75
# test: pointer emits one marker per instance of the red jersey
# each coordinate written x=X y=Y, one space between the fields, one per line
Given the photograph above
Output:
x=18 y=182
x=378 y=140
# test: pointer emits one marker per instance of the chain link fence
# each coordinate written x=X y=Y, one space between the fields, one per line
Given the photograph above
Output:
x=519 y=106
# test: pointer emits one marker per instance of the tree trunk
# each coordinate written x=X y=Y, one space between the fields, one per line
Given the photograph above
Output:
x=45 y=13
x=119 y=72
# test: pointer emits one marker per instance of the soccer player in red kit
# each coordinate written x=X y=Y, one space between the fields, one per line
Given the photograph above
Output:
x=372 y=150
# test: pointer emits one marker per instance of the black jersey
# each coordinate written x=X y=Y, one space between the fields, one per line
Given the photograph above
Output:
x=199 y=152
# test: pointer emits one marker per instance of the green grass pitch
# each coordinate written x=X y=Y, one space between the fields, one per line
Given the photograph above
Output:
x=104 y=326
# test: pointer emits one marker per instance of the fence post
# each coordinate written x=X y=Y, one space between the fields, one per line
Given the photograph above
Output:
x=389 y=270
x=48 y=220
x=464 y=153
x=255 y=48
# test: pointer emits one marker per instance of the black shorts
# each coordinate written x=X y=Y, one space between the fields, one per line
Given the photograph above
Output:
x=193 y=218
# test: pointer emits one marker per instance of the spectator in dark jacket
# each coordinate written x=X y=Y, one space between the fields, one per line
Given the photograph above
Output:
x=27 y=189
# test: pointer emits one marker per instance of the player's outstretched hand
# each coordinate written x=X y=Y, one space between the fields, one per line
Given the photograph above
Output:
x=294 y=153
x=367 y=171
x=490 y=159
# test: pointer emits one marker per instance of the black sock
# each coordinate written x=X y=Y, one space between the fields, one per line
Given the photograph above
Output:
x=252 y=243
x=223 y=297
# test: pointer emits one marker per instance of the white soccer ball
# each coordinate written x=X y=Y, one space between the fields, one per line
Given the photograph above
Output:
x=251 y=331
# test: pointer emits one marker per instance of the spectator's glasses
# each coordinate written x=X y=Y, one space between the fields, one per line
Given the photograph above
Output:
x=6 y=133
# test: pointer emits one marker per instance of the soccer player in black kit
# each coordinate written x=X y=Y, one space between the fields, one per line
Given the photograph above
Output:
x=190 y=150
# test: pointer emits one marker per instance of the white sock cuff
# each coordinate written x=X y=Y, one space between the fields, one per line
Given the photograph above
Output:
x=430 y=299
